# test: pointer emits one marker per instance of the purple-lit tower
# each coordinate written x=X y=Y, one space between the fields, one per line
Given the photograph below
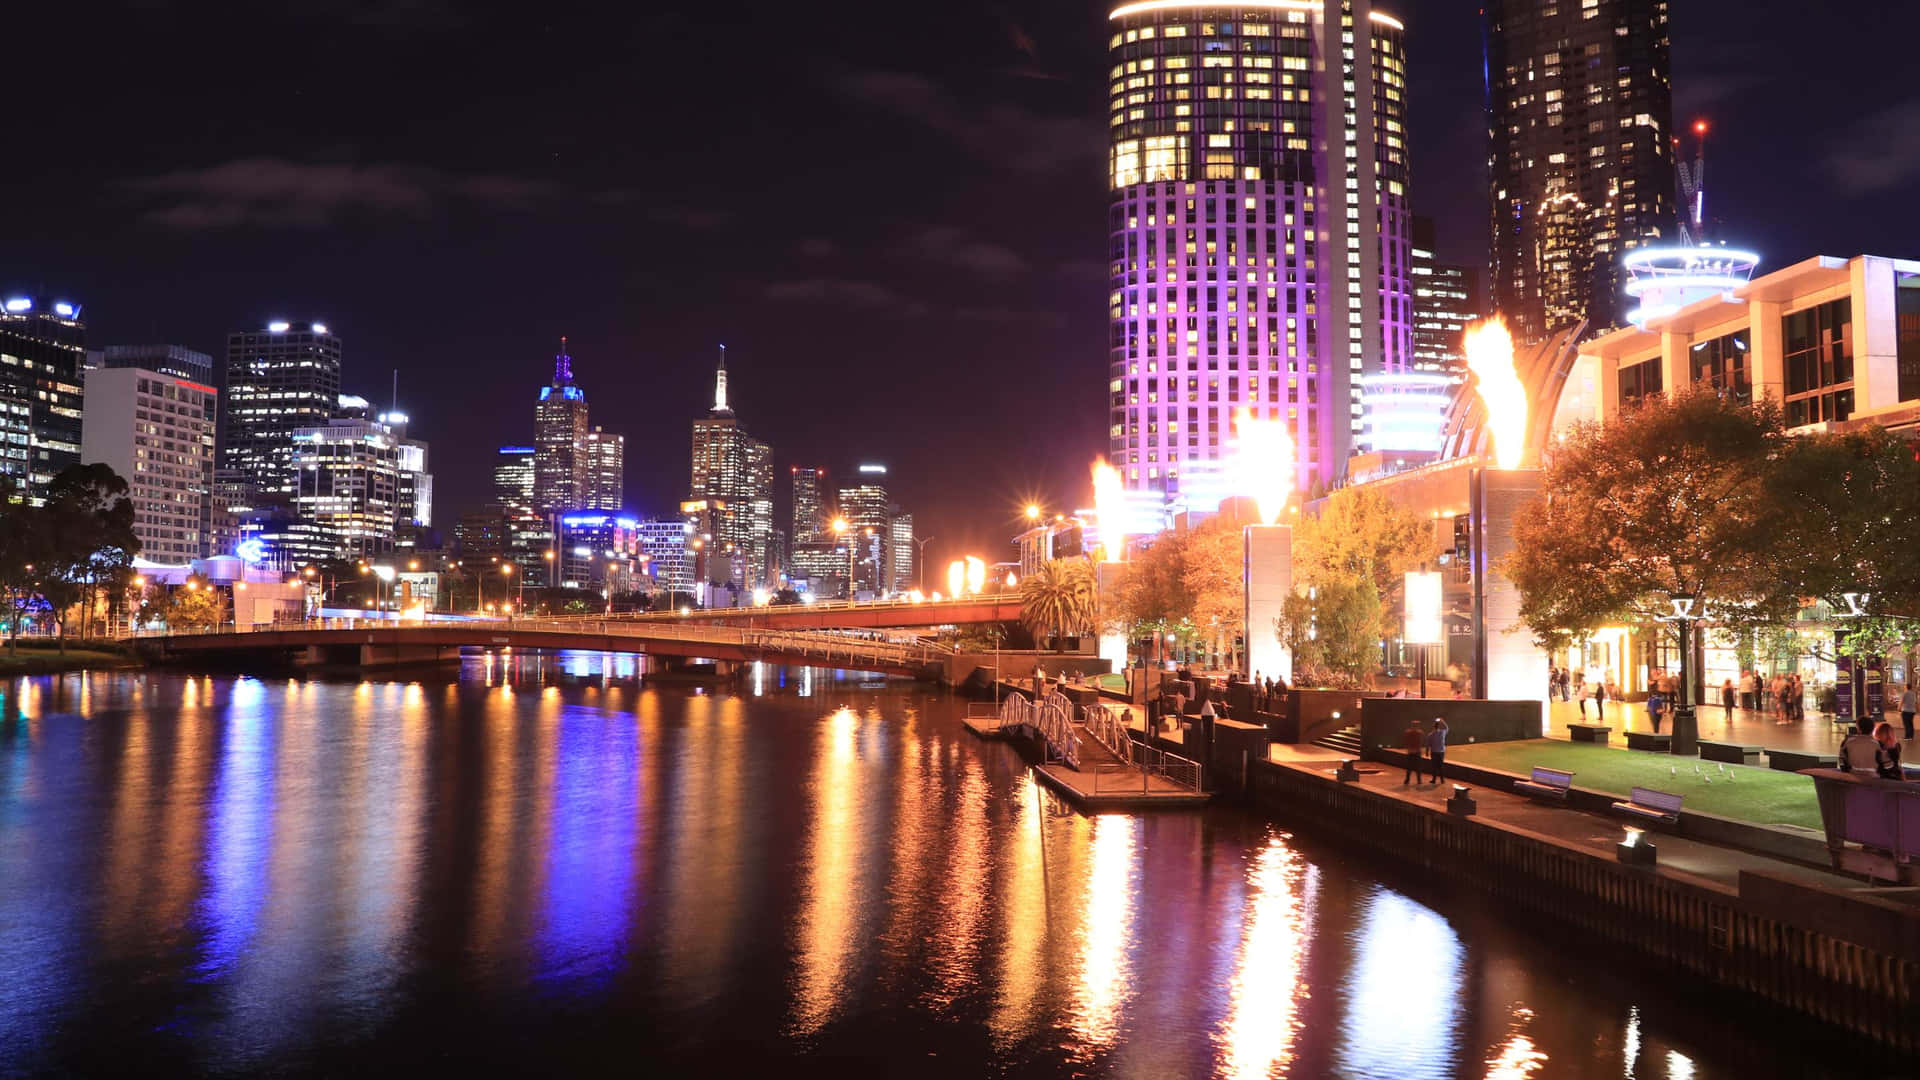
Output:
x=559 y=438
x=1260 y=239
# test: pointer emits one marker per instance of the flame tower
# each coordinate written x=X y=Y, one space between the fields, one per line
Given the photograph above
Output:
x=1260 y=239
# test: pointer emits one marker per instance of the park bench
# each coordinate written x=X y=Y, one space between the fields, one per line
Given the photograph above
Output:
x=1796 y=760
x=1731 y=753
x=1652 y=805
x=1545 y=784
x=1647 y=740
x=1593 y=733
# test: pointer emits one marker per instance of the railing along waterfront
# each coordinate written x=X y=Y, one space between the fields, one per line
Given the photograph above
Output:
x=1054 y=725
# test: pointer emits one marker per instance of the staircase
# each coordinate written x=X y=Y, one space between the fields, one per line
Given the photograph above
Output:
x=1346 y=740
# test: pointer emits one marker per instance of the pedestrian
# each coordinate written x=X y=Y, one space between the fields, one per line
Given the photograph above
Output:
x=1908 y=702
x=1437 y=747
x=1583 y=702
x=1886 y=758
x=1656 y=705
x=1600 y=699
x=1412 y=741
x=1726 y=698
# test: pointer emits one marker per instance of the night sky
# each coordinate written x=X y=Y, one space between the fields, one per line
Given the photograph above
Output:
x=892 y=214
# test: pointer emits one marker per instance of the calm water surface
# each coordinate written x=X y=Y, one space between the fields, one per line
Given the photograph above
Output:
x=543 y=867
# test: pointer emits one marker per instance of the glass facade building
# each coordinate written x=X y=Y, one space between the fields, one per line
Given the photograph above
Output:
x=559 y=440
x=1580 y=130
x=280 y=380
x=43 y=347
x=1258 y=228
x=604 y=455
x=732 y=480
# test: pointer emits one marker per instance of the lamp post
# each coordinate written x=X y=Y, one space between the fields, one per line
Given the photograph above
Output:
x=1686 y=729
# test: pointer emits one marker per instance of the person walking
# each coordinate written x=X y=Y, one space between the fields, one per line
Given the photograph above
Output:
x=1656 y=707
x=1412 y=741
x=1600 y=699
x=1909 y=704
x=1437 y=747
x=1583 y=701
x=1726 y=698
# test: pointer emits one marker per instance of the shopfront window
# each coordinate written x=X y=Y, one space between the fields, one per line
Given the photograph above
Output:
x=1819 y=363
x=1639 y=380
x=1721 y=363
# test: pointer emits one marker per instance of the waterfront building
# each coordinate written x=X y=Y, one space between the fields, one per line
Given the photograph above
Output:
x=669 y=559
x=176 y=361
x=346 y=495
x=1061 y=538
x=482 y=536
x=1445 y=303
x=597 y=550
x=280 y=379
x=43 y=347
x=1580 y=120
x=559 y=438
x=156 y=431
x=732 y=483
x=809 y=505
x=413 y=510
x=1258 y=228
x=820 y=568
x=513 y=480
x=604 y=462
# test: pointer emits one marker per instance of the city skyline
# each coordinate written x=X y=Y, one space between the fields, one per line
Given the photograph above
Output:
x=225 y=230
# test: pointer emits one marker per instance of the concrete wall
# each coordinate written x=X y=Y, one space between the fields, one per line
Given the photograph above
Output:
x=1382 y=720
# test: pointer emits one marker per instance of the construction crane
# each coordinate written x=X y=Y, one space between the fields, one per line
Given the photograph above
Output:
x=1693 y=189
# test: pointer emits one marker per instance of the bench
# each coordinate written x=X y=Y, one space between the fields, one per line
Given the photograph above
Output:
x=1593 y=733
x=1545 y=784
x=1651 y=805
x=1796 y=760
x=1647 y=740
x=1731 y=753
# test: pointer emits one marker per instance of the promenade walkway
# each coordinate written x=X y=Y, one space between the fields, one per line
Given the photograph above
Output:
x=1597 y=834
x=1814 y=733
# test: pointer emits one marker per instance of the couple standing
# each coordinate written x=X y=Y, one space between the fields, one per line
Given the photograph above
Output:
x=1433 y=741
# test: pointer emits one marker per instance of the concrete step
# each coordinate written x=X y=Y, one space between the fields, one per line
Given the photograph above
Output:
x=1346 y=741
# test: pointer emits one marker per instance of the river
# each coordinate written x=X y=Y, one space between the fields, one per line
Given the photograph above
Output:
x=542 y=866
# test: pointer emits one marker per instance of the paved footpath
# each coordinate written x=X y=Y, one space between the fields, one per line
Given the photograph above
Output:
x=1707 y=864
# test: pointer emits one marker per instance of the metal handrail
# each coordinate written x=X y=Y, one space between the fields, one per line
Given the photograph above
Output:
x=1105 y=727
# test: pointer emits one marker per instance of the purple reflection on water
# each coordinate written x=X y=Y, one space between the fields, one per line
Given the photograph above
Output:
x=239 y=831
x=583 y=924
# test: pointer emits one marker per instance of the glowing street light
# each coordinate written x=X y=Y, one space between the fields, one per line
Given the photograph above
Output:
x=1033 y=512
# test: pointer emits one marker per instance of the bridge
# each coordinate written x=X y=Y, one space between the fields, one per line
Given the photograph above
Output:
x=381 y=642
x=856 y=615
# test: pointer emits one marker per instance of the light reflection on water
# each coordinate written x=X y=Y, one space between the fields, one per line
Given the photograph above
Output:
x=551 y=866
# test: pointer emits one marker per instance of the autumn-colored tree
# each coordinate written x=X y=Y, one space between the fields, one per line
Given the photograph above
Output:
x=196 y=605
x=1213 y=572
x=1360 y=532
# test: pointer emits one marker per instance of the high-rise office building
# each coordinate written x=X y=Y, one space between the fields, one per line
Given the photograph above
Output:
x=559 y=438
x=1580 y=122
x=900 y=553
x=1258 y=228
x=43 y=346
x=869 y=518
x=413 y=511
x=513 y=480
x=809 y=506
x=156 y=432
x=177 y=361
x=604 y=457
x=669 y=559
x=280 y=380
x=347 y=491
x=1445 y=302
x=733 y=478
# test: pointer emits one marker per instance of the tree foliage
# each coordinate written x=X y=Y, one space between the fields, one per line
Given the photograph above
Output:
x=1212 y=571
x=196 y=605
x=1153 y=593
x=77 y=542
x=1361 y=533
x=1060 y=598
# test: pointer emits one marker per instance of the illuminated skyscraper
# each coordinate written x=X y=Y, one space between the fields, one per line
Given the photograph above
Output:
x=809 y=510
x=605 y=462
x=1580 y=128
x=869 y=517
x=733 y=483
x=513 y=481
x=559 y=438
x=156 y=431
x=1259 y=233
x=280 y=380
x=1445 y=302
x=42 y=350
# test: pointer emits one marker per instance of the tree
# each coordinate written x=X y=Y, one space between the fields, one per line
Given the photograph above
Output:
x=1060 y=598
x=23 y=538
x=1213 y=572
x=195 y=605
x=1360 y=532
x=1333 y=631
x=1672 y=497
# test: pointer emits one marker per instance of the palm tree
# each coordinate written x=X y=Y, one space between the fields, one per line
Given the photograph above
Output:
x=1059 y=598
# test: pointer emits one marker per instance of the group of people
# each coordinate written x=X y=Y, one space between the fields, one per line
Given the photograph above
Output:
x=1433 y=741
x=1783 y=697
x=1269 y=695
x=1561 y=687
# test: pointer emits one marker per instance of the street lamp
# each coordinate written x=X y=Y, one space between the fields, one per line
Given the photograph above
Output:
x=1033 y=511
x=1686 y=731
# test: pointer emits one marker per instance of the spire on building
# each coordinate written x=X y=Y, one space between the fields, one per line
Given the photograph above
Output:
x=563 y=366
x=720 y=406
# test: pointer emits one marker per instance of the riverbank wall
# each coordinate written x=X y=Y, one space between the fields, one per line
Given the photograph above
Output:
x=1849 y=958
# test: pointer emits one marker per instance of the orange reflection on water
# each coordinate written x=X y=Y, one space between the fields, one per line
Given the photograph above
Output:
x=1024 y=907
x=1517 y=1058
x=956 y=953
x=827 y=913
x=1105 y=932
x=1263 y=1016
x=706 y=896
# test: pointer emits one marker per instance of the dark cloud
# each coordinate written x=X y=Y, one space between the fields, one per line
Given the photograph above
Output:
x=950 y=246
x=1002 y=134
x=818 y=247
x=1879 y=152
x=844 y=292
x=277 y=192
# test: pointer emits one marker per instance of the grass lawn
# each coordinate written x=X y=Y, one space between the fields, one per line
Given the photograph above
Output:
x=1111 y=681
x=31 y=660
x=1761 y=796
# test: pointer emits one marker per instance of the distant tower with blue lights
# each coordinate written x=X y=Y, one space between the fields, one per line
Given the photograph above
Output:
x=559 y=440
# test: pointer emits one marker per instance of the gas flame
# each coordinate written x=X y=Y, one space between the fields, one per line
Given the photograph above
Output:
x=976 y=574
x=1109 y=510
x=1263 y=464
x=1490 y=357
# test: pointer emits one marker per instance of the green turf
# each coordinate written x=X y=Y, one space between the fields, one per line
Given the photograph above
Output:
x=1761 y=796
x=37 y=660
x=1111 y=681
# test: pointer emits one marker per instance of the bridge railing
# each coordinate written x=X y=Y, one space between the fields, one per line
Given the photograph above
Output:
x=1105 y=727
